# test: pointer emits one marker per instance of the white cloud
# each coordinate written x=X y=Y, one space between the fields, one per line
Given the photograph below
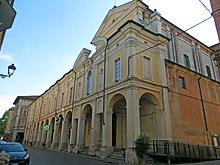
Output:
x=6 y=56
x=6 y=102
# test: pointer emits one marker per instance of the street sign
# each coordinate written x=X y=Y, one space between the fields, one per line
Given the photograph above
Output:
x=7 y=15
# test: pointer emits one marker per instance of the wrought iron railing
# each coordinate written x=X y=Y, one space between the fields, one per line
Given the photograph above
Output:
x=180 y=150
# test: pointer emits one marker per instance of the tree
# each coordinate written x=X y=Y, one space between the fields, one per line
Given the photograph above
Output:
x=3 y=122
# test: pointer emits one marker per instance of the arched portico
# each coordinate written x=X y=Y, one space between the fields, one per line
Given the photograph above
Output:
x=57 y=132
x=39 y=135
x=45 y=132
x=119 y=121
x=66 y=131
x=84 y=136
x=151 y=117
x=87 y=115
x=35 y=134
x=50 y=134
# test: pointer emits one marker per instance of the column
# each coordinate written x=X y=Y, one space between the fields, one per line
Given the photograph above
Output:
x=43 y=138
x=80 y=141
x=49 y=136
x=73 y=132
x=98 y=130
x=92 y=146
x=107 y=148
x=39 y=136
x=63 y=141
x=55 y=136
x=133 y=123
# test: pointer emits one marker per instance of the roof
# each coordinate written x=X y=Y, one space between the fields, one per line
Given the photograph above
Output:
x=25 y=98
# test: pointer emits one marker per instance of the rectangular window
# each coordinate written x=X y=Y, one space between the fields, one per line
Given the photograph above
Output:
x=48 y=109
x=89 y=83
x=117 y=69
x=55 y=103
x=147 y=67
x=182 y=82
x=71 y=95
x=79 y=89
x=186 y=61
x=61 y=101
x=208 y=70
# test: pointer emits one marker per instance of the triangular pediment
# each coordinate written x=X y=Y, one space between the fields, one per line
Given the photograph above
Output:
x=82 y=57
x=114 y=19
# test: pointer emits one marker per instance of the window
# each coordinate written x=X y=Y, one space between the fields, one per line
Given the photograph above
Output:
x=89 y=83
x=101 y=77
x=117 y=69
x=79 y=89
x=24 y=113
x=61 y=101
x=48 y=109
x=55 y=103
x=71 y=95
x=182 y=82
x=147 y=68
x=208 y=71
x=186 y=61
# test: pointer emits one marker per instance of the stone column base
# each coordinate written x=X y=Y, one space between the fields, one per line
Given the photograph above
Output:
x=71 y=147
x=92 y=150
x=78 y=149
x=62 y=146
x=130 y=156
x=54 y=145
x=105 y=151
x=48 y=144
x=38 y=144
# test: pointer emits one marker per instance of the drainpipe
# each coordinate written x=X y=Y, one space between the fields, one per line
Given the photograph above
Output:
x=203 y=109
x=104 y=78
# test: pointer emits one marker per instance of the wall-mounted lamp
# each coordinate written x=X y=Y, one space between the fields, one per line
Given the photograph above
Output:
x=216 y=60
x=11 y=69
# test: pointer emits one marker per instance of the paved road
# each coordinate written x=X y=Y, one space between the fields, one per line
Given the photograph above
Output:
x=49 y=157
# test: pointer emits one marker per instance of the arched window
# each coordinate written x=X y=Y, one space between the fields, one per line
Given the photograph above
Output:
x=89 y=83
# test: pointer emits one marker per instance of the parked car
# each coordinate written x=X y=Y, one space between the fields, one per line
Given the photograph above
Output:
x=17 y=153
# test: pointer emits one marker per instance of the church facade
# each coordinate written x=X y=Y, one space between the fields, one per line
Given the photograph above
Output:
x=147 y=76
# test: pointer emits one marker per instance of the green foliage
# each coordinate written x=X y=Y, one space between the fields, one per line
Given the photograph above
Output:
x=142 y=145
x=3 y=122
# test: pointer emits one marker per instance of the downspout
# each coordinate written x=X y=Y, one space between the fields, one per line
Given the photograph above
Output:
x=203 y=109
x=104 y=84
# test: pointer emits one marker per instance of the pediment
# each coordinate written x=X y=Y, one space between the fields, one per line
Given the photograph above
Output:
x=110 y=22
x=82 y=57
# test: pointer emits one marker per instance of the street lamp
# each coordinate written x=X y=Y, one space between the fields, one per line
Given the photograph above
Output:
x=216 y=59
x=11 y=69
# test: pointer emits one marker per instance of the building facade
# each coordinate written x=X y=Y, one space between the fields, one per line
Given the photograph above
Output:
x=147 y=76
x=2 y=33
x=19 y=117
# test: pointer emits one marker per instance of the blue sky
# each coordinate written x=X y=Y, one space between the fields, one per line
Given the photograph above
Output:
x=47 y=36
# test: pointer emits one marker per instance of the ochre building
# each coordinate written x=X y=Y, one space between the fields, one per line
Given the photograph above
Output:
x=147 y=76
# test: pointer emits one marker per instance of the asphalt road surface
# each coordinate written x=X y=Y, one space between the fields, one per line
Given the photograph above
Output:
x=50 y=157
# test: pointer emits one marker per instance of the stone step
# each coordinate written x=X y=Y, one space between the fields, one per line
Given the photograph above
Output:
x=117 y=156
